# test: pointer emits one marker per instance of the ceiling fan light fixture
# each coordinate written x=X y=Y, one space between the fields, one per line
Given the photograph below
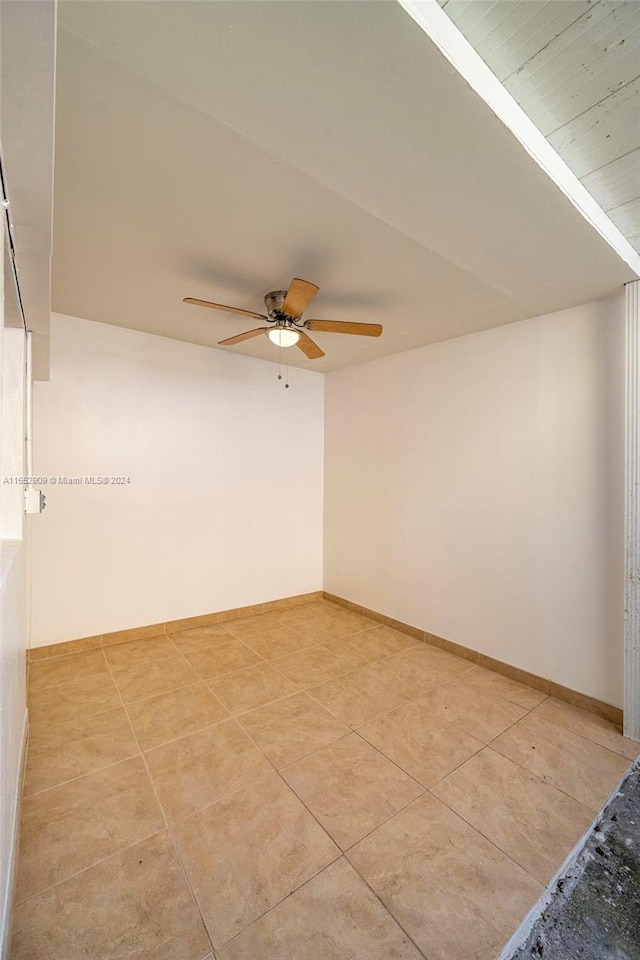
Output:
x=283 y=336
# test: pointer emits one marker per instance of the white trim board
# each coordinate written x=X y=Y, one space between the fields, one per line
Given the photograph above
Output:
x=632 y=514
x=7 y=906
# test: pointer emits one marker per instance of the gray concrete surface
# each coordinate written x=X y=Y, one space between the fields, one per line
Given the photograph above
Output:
x=594 y=910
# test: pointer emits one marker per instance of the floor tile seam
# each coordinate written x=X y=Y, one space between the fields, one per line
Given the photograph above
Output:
x=312 y=643
x=315 y=749
x=186 y=736
x=163 y=693
x=461 y=764
x=268 y=703
x=310 y=811
x=183 y=736
x=283 y=900
x=251 y=784
x=367 y=743
x=281 y=625
x=351 y=733
x=564 y=726
x=502 y=697
x=185 y=872
x=302 y=689
x=549 y=782
x=340 y=851
x=527 y=712
x=81 y=776
x=62 y=738
x=144 y=761
x=391 y=816
x=145 y=656
x=519 y=683
x=57 y=683
x=341 y=856
x=541 y=883
x=441 y=681
x=325 y=707
x=435 y=721
x=387 y=909
x=90 y=866
x=191 y=666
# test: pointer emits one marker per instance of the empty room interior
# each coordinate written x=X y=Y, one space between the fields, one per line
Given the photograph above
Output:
x=320 y=496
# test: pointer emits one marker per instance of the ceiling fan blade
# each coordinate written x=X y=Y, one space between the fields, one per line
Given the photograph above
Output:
x=221 y=306
x=308 y=347
x=299 y=296
x=239 y=337
x=337 y=326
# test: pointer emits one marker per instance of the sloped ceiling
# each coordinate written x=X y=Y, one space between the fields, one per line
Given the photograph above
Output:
x=574 y=68
x=216 y=149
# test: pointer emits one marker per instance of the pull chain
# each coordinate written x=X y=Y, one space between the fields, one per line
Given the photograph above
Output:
x=286 y=368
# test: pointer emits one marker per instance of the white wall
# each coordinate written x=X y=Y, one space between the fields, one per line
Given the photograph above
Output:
x=473 y=488
x=224 y=508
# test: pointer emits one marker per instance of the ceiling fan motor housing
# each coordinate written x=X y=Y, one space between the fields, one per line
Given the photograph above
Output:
x=273 y=302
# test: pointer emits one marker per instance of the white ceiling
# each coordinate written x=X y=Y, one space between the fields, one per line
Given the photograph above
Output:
x=215 y=150
x=574 y=68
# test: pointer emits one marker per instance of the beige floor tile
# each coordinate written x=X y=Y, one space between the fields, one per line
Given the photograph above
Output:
x=72 y=699
x=494 y=684
x=136 y=651
x=204 y=767
x=303 y=614
x=484 y=717
x=353 y=621
x=357 y=697
x=359 y=649
x=197 y=641
x=531 y=821
x=133 y=906
x=326 y=628
x=175 y=714
x=252 y=687
x=246 y=853
x=579 y=767
x=368 y=646
x=456 y=895
x=292 y=728
x=249 y=626
x=48 y=673
x=350 y=788
x=417 y=670
x=423 y=748
x=72 y=826
x=221 y=658
x=65 y=649
x=90 y=743
x=311 y=666
x=393 y=639
x=589 y=726
x=333 y=917
x=280 y=642
x=142 y=677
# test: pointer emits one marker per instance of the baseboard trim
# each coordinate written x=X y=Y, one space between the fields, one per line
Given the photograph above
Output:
x=7 y=907
x=64 y=648
x=550 y=687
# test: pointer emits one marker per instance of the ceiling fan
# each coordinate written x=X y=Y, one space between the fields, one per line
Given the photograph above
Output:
x=284 y=314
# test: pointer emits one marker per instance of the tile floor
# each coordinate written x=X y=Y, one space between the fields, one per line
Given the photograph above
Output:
x=300 y=785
